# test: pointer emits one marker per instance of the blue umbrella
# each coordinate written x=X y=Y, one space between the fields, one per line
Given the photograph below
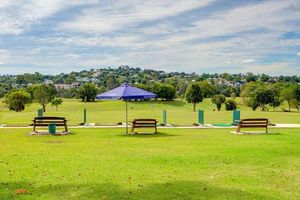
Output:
x=126 y=92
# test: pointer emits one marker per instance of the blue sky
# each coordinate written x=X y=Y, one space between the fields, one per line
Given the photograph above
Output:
x=204 y=36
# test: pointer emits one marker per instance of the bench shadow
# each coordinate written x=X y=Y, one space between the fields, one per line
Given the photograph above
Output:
x=148 y=135
x=257 y=133
x=141 y=190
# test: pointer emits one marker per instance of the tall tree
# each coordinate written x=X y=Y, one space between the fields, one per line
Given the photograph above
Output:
x=88 y=92
x=297 y=95
x=194 y=94
x=288 y=95
x=43 y=94
x=165 y=91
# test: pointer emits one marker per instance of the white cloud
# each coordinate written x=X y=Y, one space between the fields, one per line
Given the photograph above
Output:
x=298 y=54
x=4 y=56
x=248 y=61
x=17 y=15
x=91 y=37
x=122 y=14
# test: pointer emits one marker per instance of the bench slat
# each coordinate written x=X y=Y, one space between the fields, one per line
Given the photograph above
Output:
x=255 y=122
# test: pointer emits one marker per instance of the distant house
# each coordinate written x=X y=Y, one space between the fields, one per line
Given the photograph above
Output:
x=48 y=82
x=63 y=86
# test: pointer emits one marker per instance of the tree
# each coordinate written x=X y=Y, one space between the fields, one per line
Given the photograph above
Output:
x=277 y=101
x=87 y=92
x=288 y=95
x=43 y=94
x=230 y=104
x=165 y=91
x=16 y=100
x=207 y=89
x=194 y=94
x=56 y=102
x=297 y=95
x=218 y=99
x=259 y=95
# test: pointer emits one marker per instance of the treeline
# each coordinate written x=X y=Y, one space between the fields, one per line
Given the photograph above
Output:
x=263 y=95
x=44 y=94
x=254 y=94
x=108 y=78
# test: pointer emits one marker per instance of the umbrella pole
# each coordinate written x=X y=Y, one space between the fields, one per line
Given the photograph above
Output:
x=126 y=118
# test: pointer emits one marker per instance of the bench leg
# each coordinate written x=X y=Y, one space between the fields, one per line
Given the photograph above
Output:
x=155 y=128
x=238 y=130
x=132 y=128
x=66 y=127
x=34 y=127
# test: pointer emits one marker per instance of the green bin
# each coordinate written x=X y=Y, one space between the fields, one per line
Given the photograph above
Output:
x=40 y=112
x=52 y=128
x=236 y=117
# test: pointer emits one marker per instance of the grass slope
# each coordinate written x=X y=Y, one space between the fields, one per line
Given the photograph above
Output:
x=112 y=112
x=175 y=164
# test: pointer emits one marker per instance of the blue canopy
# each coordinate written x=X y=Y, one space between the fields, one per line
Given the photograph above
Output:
x=126 y=92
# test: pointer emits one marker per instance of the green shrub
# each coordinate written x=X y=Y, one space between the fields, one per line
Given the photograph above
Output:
x=230 y=104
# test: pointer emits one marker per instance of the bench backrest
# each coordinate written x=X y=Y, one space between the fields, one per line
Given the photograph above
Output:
x=254 y=121
x=144 y=121
x=45 y=120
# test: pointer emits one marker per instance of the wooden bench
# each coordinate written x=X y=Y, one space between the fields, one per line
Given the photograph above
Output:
x=253 y=123
x=45 y=121
x=144 y=123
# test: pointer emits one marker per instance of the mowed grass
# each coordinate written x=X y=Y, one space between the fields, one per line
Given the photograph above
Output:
x=111 y=112
x=174 y=164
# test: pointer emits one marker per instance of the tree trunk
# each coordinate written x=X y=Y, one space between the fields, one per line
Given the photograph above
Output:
x=44 y=107
x=194 y=107
x=289 y=106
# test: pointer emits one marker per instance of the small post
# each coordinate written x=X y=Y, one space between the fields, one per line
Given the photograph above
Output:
x=165 y=117
x=84 y=117
x=201 y=117
x=40 y=112
x=236 y=117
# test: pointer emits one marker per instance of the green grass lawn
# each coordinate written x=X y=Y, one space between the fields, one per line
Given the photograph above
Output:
x=174 y=164
x=112 y=112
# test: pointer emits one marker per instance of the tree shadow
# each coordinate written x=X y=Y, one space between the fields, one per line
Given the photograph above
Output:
x=166 y=190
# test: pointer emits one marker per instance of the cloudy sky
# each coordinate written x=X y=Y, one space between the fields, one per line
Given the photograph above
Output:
x=183 y=35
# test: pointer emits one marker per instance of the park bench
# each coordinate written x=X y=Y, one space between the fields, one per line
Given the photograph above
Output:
x=144 y=123
x=45 y=121
x=253 y=123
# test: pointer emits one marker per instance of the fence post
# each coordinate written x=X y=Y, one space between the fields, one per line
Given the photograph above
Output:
x=165 y=117
x=236 y=117
x=201 y=117
x=84 y=117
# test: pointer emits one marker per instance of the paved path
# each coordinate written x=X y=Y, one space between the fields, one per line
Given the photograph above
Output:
x=206 y=126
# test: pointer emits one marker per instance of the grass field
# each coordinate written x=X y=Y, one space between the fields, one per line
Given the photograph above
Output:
x=112 y=112
x=174 y=164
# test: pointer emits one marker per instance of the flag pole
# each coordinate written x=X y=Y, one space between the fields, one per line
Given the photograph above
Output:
x=126 y=118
